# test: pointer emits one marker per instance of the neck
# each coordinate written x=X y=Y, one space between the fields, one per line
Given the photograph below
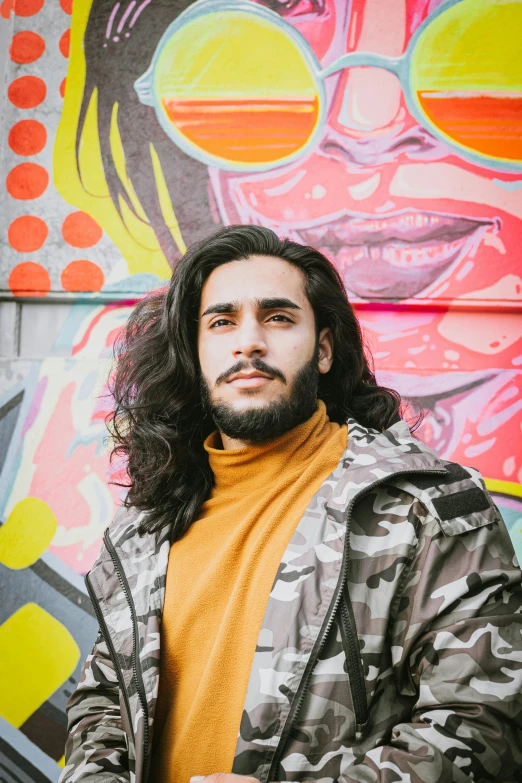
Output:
x=266 y=462
x=232 y=444
x=229 y=444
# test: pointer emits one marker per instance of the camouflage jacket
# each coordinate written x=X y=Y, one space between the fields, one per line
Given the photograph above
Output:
x=391 y=644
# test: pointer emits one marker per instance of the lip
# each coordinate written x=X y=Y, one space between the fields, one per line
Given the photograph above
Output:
x=402 y=252
x=447 y=399
x=250 y=381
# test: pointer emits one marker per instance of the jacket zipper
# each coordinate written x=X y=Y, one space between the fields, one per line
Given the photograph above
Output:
x=105 y=632
x=358 y=673
x=136 y=672
x=354 y=662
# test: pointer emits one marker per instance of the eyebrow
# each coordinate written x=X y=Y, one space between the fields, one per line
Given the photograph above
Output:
x=276 y=303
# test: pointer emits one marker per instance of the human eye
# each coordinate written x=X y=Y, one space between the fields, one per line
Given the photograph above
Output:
x=281 y=315
x=219 y=321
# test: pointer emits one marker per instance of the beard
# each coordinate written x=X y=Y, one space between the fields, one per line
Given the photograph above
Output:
x=265 y=423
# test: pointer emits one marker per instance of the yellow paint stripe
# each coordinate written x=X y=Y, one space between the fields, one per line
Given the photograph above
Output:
x=167 y=210
x=243 y=108
x=504 y=487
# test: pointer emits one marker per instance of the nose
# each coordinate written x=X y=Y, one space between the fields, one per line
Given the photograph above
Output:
x=368 y=122
x=249 y=341
x=369 y=99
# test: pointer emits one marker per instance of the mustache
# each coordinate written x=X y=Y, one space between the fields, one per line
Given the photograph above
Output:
x=255 y=364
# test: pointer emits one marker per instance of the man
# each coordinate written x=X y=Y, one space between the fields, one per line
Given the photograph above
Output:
x=297 y=588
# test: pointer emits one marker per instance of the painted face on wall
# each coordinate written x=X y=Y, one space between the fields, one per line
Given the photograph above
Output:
x=409 y=184
x=388 y=134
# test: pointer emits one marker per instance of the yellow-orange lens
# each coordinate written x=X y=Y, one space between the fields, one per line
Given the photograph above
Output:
x=466 y=76
x=237 y=87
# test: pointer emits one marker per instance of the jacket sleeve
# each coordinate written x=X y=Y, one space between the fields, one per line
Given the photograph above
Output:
x=457 y=651
x=96 y=748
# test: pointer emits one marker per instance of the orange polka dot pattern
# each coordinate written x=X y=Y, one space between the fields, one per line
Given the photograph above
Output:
x=37 y=216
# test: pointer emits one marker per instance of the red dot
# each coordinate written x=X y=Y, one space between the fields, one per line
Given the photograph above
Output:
x=27 y=233
x=66 y=6
x=80 y=230
x=27 y=7
x=6 y=8
x=62 y=87
x=82 y=276
x=27 y=92
x=29 y=279
x=27 y=181
x=26 y=47
x=27 y=137
x=65 y=43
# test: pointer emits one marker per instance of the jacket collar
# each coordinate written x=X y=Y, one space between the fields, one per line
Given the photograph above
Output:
x=394 y=450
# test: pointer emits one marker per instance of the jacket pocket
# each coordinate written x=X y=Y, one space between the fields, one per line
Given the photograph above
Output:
x=354 y=664
x=325 y=721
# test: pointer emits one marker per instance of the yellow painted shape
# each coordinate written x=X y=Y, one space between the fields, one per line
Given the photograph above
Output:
x=37 y=655
x=61 y=762
x=89 y=156
x=27 y=533
x=134 y=238
x=504 y=487
x=234 y=55
x=137 y=227
x=118 y=156
x=165 y=203
x=474 y=45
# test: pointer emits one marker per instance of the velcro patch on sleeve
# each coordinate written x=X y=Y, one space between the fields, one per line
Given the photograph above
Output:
x=454 y=473
x=457 y=498
x=460 y=504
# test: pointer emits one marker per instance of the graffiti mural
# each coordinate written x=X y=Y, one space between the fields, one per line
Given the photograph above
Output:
x=387 y=133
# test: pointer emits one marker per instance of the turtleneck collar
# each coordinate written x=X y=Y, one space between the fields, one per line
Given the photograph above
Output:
x=267 y=461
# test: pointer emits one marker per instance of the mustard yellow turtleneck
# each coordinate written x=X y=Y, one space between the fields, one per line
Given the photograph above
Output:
x=219 y=578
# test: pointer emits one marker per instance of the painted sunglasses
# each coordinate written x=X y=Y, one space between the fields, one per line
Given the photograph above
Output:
x=237 y=87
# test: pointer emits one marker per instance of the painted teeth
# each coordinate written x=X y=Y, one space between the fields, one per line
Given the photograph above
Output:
x=409 y=221
x=358 y=229
x=403 y=257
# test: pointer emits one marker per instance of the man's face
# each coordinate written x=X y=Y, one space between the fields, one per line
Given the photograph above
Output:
x=256 y=320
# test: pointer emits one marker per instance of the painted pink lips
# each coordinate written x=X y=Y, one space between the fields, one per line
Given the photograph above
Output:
x=396 y=255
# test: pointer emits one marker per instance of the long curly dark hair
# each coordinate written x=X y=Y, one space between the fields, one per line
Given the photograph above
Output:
x=159 y=421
